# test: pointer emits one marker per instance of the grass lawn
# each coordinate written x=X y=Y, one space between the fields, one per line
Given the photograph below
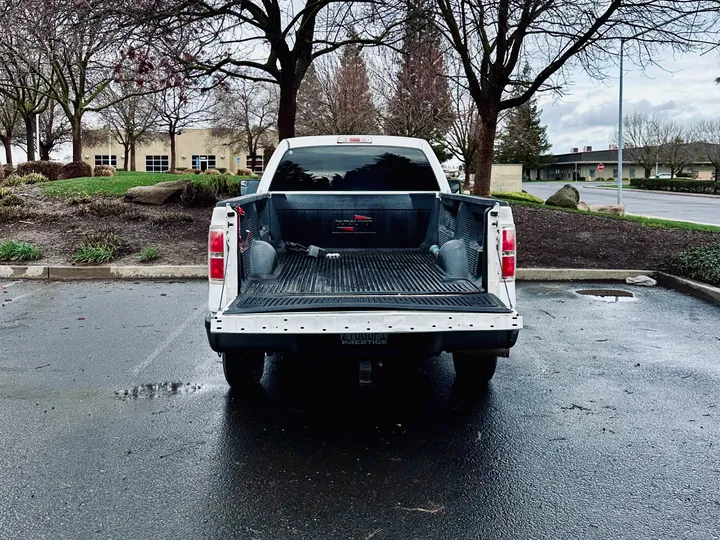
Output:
x=648 y=222
x=108 y=186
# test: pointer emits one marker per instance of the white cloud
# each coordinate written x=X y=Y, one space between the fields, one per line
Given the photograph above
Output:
x=683 y=89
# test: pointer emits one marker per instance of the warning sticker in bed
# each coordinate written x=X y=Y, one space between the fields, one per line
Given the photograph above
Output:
x=364 y=339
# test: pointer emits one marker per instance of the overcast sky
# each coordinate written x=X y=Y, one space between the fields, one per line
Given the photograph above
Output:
x=683 y=89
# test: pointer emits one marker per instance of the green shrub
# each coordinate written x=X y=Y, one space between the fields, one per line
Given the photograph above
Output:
x=600 y=179
x=700 y=263
x=149 y=253
x=12 y=250
x=6 y=170
x=625 y=180
x=104 y=170
x=97 y=248
x=680 y=186
x=8 y=198
x=212 y=171
x=14 y=213
x=527 y=197
x=75 y=169
x=611 y=179
x=52 y=170
x=198 y=195
x=222 y=170
x=222 y=184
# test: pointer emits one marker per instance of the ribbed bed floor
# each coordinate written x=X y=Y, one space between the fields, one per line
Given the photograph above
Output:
x=359 y=272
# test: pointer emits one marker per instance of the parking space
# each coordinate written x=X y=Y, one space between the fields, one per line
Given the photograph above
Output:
x=117 y=423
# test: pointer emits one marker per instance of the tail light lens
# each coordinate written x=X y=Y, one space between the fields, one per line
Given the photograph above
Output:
x=216 y=254
x=508 y=254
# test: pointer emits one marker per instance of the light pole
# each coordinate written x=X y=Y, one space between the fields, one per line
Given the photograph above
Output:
x=620 y=127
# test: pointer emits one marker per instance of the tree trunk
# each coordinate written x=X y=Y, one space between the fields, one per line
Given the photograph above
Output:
x=44 y=152
x=172 y=150
x=485 y=152
x=30 y=134
x=647 y=172
x=287 y=110
x=126 y=147
x=466 y=183
x=7 y=143
x=76 y=139
x=132 y=157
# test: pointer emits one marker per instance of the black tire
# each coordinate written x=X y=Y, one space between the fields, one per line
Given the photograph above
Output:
x=474 y=368
x=243 y=370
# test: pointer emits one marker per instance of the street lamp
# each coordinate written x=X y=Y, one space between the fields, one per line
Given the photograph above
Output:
x=620 y=127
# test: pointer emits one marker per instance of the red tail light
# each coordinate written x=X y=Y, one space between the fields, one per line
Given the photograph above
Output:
x=508 y=254
x=216 y=254
x=508 y=240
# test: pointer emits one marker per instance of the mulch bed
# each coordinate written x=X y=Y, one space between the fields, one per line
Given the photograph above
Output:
x=546 y=237
x=555 y=239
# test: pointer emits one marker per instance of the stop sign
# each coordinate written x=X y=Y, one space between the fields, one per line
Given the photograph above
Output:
x=601 y=167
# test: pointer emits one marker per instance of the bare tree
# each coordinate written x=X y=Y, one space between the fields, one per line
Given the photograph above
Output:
x=271 y=41
x=674 y=148
x=131 y=115
x=76 y=52
x=464 y=131
x=493 y=38
x=707 y=133
x=243 y=116
x=180 y=106
x=55 y=130
x=641 y=137
x=10 y=126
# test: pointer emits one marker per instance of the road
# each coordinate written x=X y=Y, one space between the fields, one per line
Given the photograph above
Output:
x=660 y=205
x=604 y=423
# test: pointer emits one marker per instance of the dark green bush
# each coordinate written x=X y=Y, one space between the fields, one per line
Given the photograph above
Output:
x=700 y=263
x=677 y=185
x=52 y=170
x=198 y=195
x=75 y=169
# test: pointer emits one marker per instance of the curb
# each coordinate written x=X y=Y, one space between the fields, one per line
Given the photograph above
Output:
x=578 y=274
x=635 y=190
x=103 y=272
x=692 y=287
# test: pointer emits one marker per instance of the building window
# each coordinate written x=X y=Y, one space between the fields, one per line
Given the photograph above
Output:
x=632 y=173
x=615 y=173
x=203 y=162
x=106 y=160
x=156 y=163
x=592 y=173
x=258 y=163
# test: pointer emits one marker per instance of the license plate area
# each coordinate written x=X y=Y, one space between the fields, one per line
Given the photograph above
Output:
x=364 y=339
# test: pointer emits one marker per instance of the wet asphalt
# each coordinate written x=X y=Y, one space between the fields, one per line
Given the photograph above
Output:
x=604 y=423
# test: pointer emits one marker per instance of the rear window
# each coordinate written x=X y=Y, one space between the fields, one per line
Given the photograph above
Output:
x=354 y=168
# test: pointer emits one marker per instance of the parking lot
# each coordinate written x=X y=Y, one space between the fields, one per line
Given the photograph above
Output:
x=117 y=423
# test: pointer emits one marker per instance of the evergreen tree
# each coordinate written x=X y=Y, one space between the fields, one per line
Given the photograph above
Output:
x=355 y=111
x=421 y=105
x=523 y=139
x=313 y=109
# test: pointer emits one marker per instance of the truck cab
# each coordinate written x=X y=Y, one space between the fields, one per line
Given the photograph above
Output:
x=356 y=245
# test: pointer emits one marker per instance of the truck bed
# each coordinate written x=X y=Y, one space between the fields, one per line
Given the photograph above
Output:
x=362 y=279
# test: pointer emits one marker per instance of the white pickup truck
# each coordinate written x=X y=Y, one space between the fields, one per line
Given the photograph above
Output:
x=355 y=245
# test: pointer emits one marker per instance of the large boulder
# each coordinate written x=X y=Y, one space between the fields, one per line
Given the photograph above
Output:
x=158 y=194
x=617 y=209
x=565 y=197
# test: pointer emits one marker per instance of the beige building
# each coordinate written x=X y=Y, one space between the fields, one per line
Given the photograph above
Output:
x=196 y=149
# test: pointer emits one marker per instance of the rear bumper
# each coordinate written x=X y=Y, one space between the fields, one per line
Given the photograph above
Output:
x=407 y=332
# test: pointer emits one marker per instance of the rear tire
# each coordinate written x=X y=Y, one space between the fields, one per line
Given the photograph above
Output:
x=474 y=368
x=243 y=370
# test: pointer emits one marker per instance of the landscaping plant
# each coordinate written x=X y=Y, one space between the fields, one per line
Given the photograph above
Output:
x=13 y=250
x=527 y=197
x=701 y=263
x=97 y=248
x=149 y=253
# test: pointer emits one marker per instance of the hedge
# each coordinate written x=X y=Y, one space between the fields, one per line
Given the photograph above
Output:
x=700 y=263
x=76 y=169
x=52 y=170
x=682 y=186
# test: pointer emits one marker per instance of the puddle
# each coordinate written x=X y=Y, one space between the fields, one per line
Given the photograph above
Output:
x=608 y=295
x=161 y=390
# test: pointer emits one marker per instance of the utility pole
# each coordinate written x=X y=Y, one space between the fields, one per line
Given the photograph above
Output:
x=620 y=128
